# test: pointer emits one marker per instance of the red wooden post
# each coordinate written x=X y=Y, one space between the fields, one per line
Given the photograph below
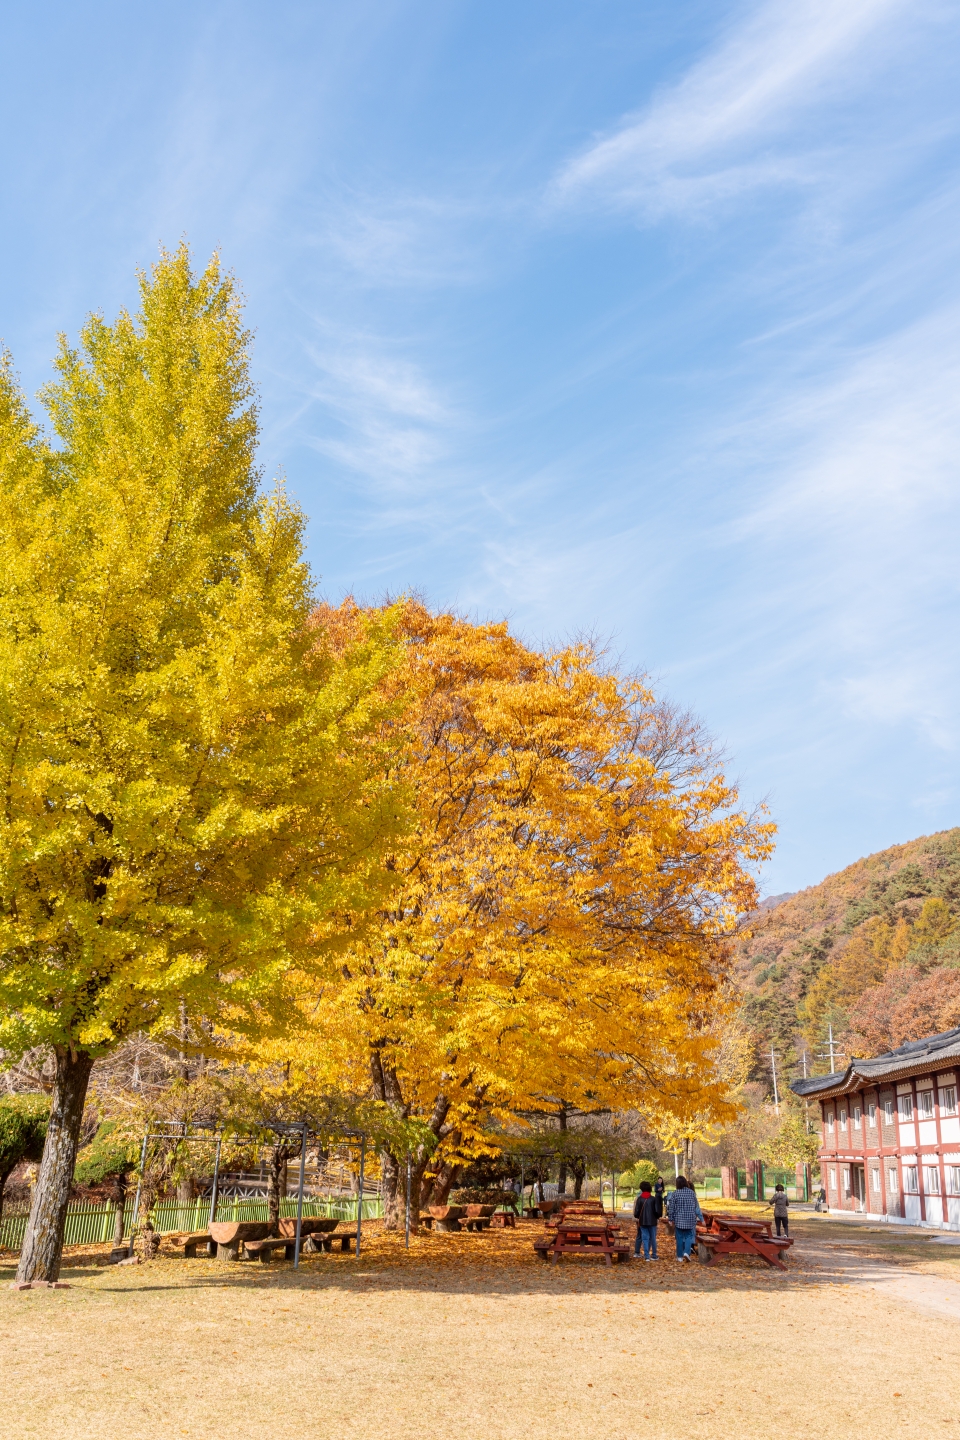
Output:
x=729 y=1186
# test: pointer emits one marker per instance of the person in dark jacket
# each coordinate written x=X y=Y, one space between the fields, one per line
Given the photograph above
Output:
x=645 y=1212
x=781 y=1210
x=658 y=1188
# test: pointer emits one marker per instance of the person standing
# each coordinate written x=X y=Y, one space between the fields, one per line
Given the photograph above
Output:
x=781 y=1206
x=646 y=1214
x=658 y=1195
x=683 y=1212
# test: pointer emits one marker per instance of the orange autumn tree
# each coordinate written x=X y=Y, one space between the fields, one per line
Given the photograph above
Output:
x=557 y=931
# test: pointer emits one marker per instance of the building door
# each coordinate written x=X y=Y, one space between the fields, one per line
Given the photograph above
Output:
x=858 y=1187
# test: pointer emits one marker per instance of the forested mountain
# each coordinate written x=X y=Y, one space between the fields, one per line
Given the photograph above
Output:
x=873 y=951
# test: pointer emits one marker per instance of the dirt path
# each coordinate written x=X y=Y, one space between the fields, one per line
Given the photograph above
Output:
x=471 y=1338
x=931 y=1293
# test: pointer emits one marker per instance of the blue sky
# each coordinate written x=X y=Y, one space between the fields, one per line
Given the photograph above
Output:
x=631 y=318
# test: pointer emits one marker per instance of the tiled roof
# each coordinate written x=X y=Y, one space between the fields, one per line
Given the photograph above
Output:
x=905 y=1060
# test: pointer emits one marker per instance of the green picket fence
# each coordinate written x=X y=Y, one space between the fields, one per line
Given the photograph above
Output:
x=94 y=1224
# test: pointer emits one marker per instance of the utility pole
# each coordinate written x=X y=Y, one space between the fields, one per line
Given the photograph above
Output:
x=773 y=1067
x=831 y=1053
x=806 y=1103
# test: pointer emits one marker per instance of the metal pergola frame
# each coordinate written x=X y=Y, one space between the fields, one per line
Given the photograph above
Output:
x=179 y=1131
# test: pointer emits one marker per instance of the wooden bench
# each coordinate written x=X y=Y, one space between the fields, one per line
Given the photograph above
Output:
x=619 y=1250
x=189 y=1241
x=264 y=1250
x=503 y=1220
x=347 y=1239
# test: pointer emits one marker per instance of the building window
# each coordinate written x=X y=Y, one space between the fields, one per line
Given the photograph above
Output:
x=892 y=1183
x=842 y=1118
x=905 y=1107
x=925 y=1104
x=875 y=1181
x=948 y=1100
x=833 y=1178
x=888 y=1111
x=856 y=1117
x=953 y=1179
x=845 y=1176
x=830 y=1122
x=872 y=1112
x=911 y=1180
x=931 y=1179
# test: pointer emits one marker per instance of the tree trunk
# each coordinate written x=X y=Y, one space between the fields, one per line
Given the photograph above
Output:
x=186 y=1191
x=393 y=1196
x=43 y=1242
x=562 y=1177
x=579 y=1174
x=120 y=1198
x=276 y=1186
x=394 y=1174
x=437 y=1193
x=4 y=1177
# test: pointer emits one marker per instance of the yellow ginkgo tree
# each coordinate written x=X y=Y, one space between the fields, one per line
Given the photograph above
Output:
x=557 y=933
x=195 y=792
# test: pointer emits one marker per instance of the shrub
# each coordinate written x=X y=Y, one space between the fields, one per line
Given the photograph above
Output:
x=483 y=1197
x=643 y=1170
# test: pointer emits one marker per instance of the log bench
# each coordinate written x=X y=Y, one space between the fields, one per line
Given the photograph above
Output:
x=188 y=1242
x=347 y=1239
x=264 y=1250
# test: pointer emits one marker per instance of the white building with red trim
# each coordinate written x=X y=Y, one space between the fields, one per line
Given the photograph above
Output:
x=890 y=1133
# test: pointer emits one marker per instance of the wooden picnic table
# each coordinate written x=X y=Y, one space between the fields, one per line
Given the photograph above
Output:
x=739 y=1235
x=309 y=1224
x=584 y=1235
x=581 y=1209
x=230 y=1235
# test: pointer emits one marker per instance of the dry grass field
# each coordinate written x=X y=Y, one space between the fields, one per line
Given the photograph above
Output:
x=471 y=1337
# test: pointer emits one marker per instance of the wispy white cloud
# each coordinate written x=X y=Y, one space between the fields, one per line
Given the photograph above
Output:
x=851 y=535
x=406 y=239
x=713 y=135
x=381 y=416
